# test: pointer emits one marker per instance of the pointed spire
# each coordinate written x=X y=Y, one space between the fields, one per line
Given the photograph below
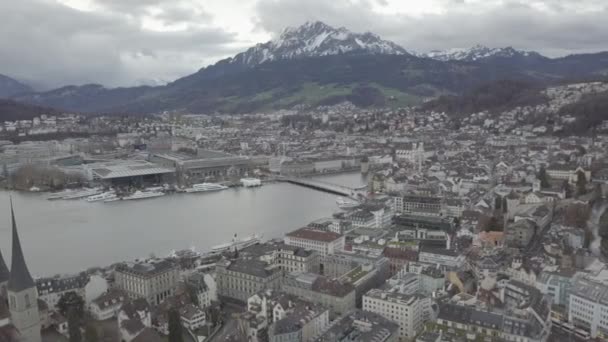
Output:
x=20 y=278
x=4 y=272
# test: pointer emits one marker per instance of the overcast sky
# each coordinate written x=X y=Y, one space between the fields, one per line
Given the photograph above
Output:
x=50 y=43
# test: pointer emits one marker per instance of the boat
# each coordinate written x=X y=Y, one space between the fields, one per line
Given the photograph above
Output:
x=203 y=187
x=251 y=182
x=143 y=195
x=112 y=199
x=236 y=243
x=345 y=203
x=82 y=194
x=184 y=253
x=58 y=195
x=102 y=197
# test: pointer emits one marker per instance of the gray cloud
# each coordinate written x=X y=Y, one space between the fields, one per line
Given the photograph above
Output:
x=553 y=27
x=50 y=44
x=126 y=42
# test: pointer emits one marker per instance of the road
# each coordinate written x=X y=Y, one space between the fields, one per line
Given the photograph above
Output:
x=558 y=335
x=230 y=330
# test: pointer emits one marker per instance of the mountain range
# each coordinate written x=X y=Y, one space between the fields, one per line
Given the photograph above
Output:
x=315 y=39
x=10 y=87
x=480 y=52
x=316 y=64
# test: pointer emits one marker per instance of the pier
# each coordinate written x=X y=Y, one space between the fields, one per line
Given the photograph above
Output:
x=331 y=188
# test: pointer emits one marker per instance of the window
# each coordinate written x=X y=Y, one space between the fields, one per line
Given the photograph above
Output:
x=28 y=303
x=13 y=302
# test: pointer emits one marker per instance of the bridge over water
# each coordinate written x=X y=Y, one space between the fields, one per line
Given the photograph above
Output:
x=331 y=188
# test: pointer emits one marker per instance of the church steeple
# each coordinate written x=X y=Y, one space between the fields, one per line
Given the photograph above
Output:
x=4 y=272
x=4 y=275
x=20 y=278
x=22 y=293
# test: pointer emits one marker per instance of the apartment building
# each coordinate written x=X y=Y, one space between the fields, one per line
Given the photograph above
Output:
x=241 y=278
x=51 y=289
x=323 y=242
x=403 y=309
x=154 y=280
x=588 y=306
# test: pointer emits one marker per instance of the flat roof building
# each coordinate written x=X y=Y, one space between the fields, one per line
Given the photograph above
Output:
x=361 y=326
x=323 y=242
x=128 y=172
x=204 y=164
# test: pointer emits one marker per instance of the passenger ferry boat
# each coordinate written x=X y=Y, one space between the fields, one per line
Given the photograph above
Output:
x=102 y=197
x=345 y=203
x=143 y=195
x=236 y=243
x=82 y=194
x=204 y=187
x=251 y=182
x=58 y=195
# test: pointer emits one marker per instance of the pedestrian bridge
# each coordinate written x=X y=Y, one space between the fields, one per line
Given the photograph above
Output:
x=331 y=188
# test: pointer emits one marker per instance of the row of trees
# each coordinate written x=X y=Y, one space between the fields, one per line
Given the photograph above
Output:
x=45 y=177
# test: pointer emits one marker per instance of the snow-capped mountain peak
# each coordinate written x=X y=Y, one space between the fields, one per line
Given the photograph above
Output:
x=314 y=39
x=478 y=52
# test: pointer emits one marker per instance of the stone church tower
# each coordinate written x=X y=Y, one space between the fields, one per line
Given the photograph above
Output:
x=22 y=293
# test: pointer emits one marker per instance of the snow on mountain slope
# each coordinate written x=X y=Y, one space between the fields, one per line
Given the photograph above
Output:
x=478 y=52
x=316 y=39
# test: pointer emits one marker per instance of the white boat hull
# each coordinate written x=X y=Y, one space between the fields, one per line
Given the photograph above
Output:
x=251 y=182
x=205 y=187
x=146 y=196
x=240 y=244
x=101 y=197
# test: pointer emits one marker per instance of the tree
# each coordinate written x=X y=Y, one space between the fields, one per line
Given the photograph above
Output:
x=213 y=314
x=488 y=223
x=71 y=301
x=71 y=306
x=91 y=334
x=577 y=215
x=543 y=177
x=581 y=183
x=175 y=327
x=191 y=290
x=74 y=325
x=581 y=150
x=567 y=189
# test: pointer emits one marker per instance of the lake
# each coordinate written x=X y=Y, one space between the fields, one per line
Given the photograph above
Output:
x=70 y=236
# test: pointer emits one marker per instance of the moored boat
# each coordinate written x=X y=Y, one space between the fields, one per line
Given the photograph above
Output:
x=236 y=243
x=82 y=194
x=344 y=203
x=143 y=195
x=204 y=187
x=58 y=195
x=251 y=182
x=101 y=197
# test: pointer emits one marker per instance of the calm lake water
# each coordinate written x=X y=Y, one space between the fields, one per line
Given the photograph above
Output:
x=69 y=236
